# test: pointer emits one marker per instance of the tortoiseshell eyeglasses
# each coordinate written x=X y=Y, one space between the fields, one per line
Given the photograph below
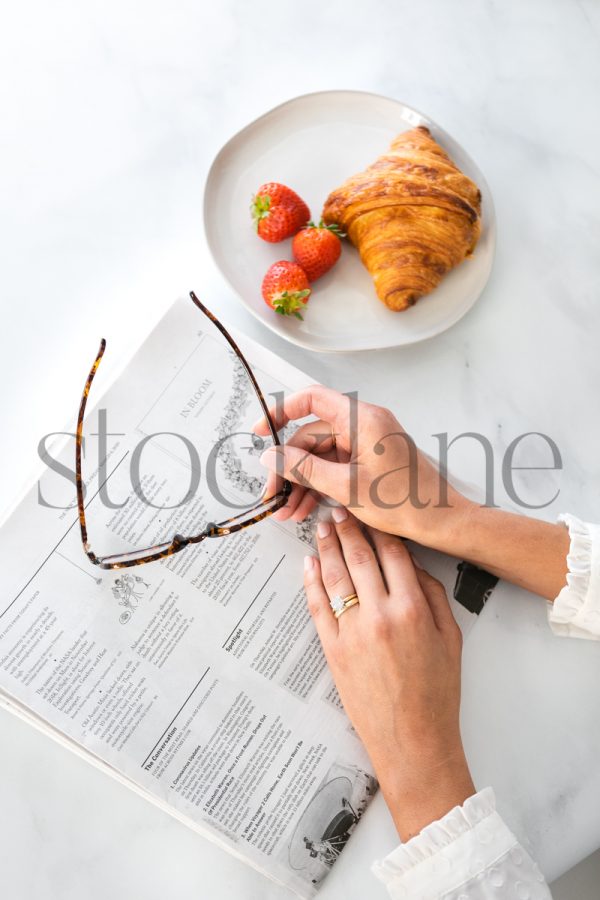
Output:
x=251 y=516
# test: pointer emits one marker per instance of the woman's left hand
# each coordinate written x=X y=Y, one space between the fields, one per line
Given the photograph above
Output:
x=395 y=658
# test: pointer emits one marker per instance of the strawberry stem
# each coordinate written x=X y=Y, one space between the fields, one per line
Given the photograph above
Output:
x=259 y=208
x=333 y=227
x=289 y=302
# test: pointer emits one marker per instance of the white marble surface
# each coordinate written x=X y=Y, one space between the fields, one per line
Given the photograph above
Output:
x=110 y=115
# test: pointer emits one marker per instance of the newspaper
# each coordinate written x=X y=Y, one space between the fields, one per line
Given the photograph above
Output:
x=197 y=680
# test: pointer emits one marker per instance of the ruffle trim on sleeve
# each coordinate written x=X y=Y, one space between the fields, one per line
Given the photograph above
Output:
x=576 y=610
x=448 y=852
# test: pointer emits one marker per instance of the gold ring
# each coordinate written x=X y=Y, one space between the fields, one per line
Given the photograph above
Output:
x=339 y=604
x=349 y=603
x=333 y=438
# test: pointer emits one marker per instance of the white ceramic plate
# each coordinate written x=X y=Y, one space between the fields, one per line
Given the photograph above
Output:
x=312 y=144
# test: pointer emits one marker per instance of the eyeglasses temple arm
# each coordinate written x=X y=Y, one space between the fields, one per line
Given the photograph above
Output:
x=242 y=359
x=79 y=442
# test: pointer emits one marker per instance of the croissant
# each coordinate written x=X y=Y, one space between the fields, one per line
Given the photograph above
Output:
x=412 y=215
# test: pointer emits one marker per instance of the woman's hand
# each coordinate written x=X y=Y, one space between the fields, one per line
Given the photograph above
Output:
x=373 y=467
x=395 y=659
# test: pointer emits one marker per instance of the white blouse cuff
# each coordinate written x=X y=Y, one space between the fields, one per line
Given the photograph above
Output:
x=576 y=610
x=448 y=853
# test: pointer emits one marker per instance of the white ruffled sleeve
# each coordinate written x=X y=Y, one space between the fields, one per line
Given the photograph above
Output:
x=576 y=610
x=469 y=854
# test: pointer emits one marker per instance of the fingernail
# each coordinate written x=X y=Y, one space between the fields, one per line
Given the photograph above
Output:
x=269 y=458
x=309 y=563
x=339 y=514
x=416 y=562
x=323 y=529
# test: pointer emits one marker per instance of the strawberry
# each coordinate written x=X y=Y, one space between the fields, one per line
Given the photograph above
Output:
x=278 y=212
x=285 y=288
x=317 y=248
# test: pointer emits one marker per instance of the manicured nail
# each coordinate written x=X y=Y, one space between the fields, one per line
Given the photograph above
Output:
x=309 y=563
x=269 y=458
x=323 y=529
x=339 y=514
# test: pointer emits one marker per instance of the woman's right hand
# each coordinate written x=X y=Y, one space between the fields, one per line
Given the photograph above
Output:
x=373 y=467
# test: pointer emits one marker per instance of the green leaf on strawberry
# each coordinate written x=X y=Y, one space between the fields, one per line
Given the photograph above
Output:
x=259 y=208
x=289 y=302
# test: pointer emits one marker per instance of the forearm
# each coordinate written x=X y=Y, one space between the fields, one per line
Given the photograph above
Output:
x=524 y=551
x=419 y=791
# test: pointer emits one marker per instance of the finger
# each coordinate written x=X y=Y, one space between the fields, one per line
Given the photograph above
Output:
x=316 y=400
x=313 y=436
x=316 y=437
x=435 y=594
x=308 y=503
x=309 y=470
x=318 y=602
x=360 y=558
x=294 y=499
x=396 y=562
x=334 y=570
x=272 y=486
x=321 y=439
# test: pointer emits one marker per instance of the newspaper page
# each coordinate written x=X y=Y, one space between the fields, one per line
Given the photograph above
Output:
x=198 y=678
